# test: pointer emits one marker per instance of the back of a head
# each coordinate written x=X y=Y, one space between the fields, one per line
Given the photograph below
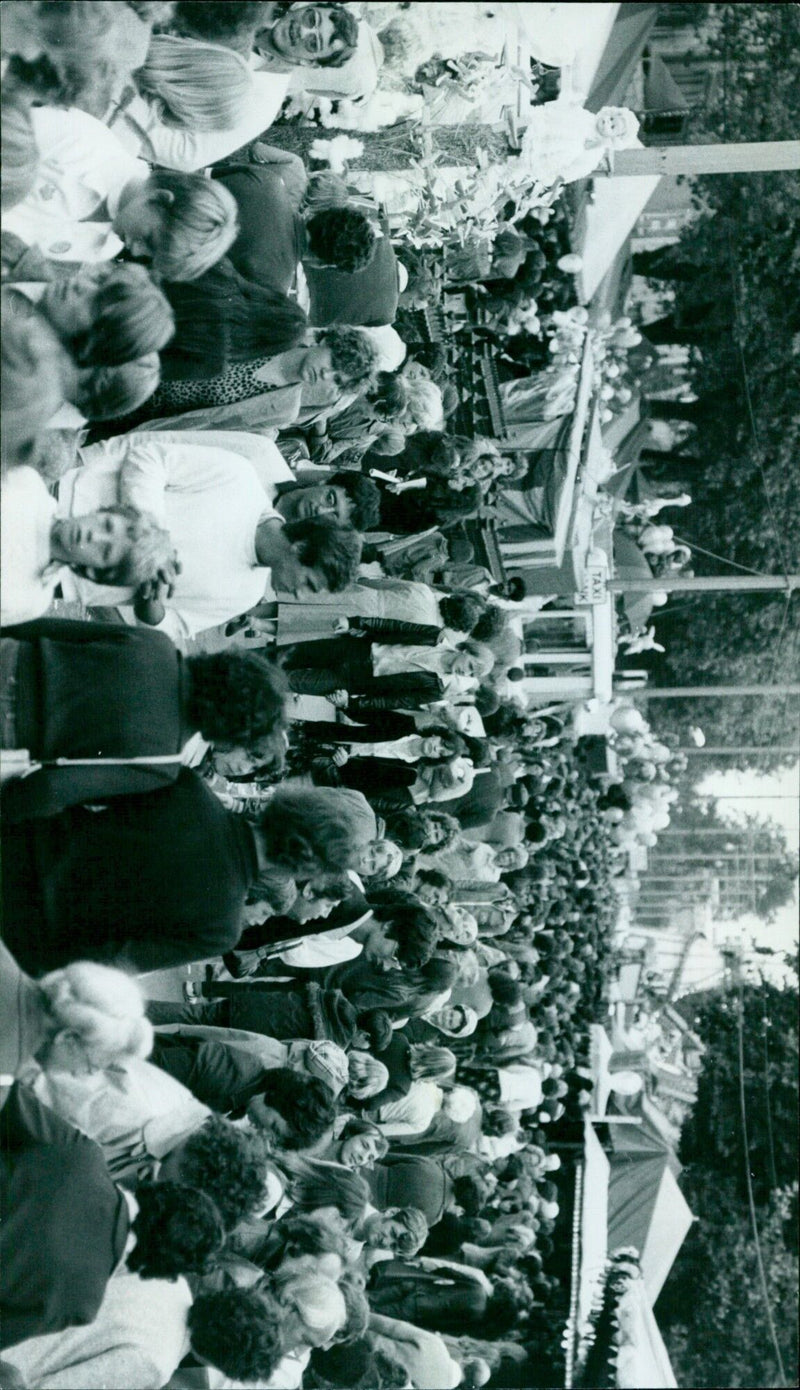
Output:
x=323 y=544
x=462 y=610
x=311 y=829
x=235 y=697
x=131 y=319
x=365 y=498
x=317 y=1303
x=354 y=355
x=430 y=1062
x=202 y=86
x=109 y=393
x=199 y=224
x=222 y=318
x=229 y=22
x=228 y=1164
x=178 y=1230
x=317 y=1185
x=240 y=1331
x=37 y=376
x=342 y=238
x=424 y=408
x=102 y=1008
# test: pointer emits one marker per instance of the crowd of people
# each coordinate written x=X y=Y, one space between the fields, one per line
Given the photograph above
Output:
x=260 y=717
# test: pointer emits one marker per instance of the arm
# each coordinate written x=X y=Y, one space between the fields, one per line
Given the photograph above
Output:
x=394 y=630
x=180 y=147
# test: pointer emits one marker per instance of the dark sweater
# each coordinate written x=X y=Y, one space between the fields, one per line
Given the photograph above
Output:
x=271 y=236
x=152 y=881
x=65 y=1223
x=219 y=1074
x=368 y=297
x=407 y=1181
x=94 y=690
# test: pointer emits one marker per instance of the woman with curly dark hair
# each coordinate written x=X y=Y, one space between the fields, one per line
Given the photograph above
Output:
x=418 y=828
x=178 y=1230
x=72 y=688
x=341 y=360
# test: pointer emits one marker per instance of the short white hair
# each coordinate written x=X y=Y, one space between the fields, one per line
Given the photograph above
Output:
x=104 y=1010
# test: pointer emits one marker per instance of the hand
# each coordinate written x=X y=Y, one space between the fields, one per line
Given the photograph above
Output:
x=168 y=573
x=341 y=626
x=153 y=591
x=339 y=699
x=340 y=757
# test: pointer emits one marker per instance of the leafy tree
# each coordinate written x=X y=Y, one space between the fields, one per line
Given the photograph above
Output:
x=712 y=1137
x=760 y=885
x=711 y=1309
x=742 y=313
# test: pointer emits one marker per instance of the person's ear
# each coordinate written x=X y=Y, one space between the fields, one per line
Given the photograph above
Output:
x=161 y=198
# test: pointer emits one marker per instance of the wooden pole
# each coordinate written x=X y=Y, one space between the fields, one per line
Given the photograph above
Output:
x=712 y=692
x=723 y=583
x=750 y=158
x=731 y=750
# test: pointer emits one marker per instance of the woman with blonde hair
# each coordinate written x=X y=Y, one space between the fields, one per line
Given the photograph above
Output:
x=198 y=85
x=81 y=1018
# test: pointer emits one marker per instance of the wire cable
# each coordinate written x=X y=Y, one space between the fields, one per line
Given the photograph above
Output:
x=750 y=1199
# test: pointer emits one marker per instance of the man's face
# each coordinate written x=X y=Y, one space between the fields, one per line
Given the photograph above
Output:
x=384 y=1230
x=434 y=894
x=306 y=36
x=269 y=1121
x=380 y=949
x=96 y=541
x=321 y=499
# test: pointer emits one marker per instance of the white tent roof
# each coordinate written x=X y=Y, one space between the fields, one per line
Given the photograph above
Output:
x=617 y=204
x=669 y=1227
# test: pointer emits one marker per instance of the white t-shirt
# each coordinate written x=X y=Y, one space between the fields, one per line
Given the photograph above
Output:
x=82 y=170
x=27 y=575
x=210 y=496
x=138 y=1338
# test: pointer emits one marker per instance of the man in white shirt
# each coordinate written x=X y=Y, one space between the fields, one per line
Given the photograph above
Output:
x=212 y=492
x=325 y=48
x=92 y=197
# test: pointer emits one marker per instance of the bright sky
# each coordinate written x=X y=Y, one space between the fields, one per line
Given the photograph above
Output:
x=776 y=797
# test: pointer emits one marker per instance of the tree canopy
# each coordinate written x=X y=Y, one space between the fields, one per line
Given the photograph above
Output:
x=711 y=1310
x=750 y=857
x=743 y=309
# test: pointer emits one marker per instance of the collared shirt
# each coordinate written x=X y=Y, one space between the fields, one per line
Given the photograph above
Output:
x=136 y=1113
x=82 y=172
x=28 y=576
x=210 y=490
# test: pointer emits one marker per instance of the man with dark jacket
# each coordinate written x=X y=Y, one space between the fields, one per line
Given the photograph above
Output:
x=151 y=881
